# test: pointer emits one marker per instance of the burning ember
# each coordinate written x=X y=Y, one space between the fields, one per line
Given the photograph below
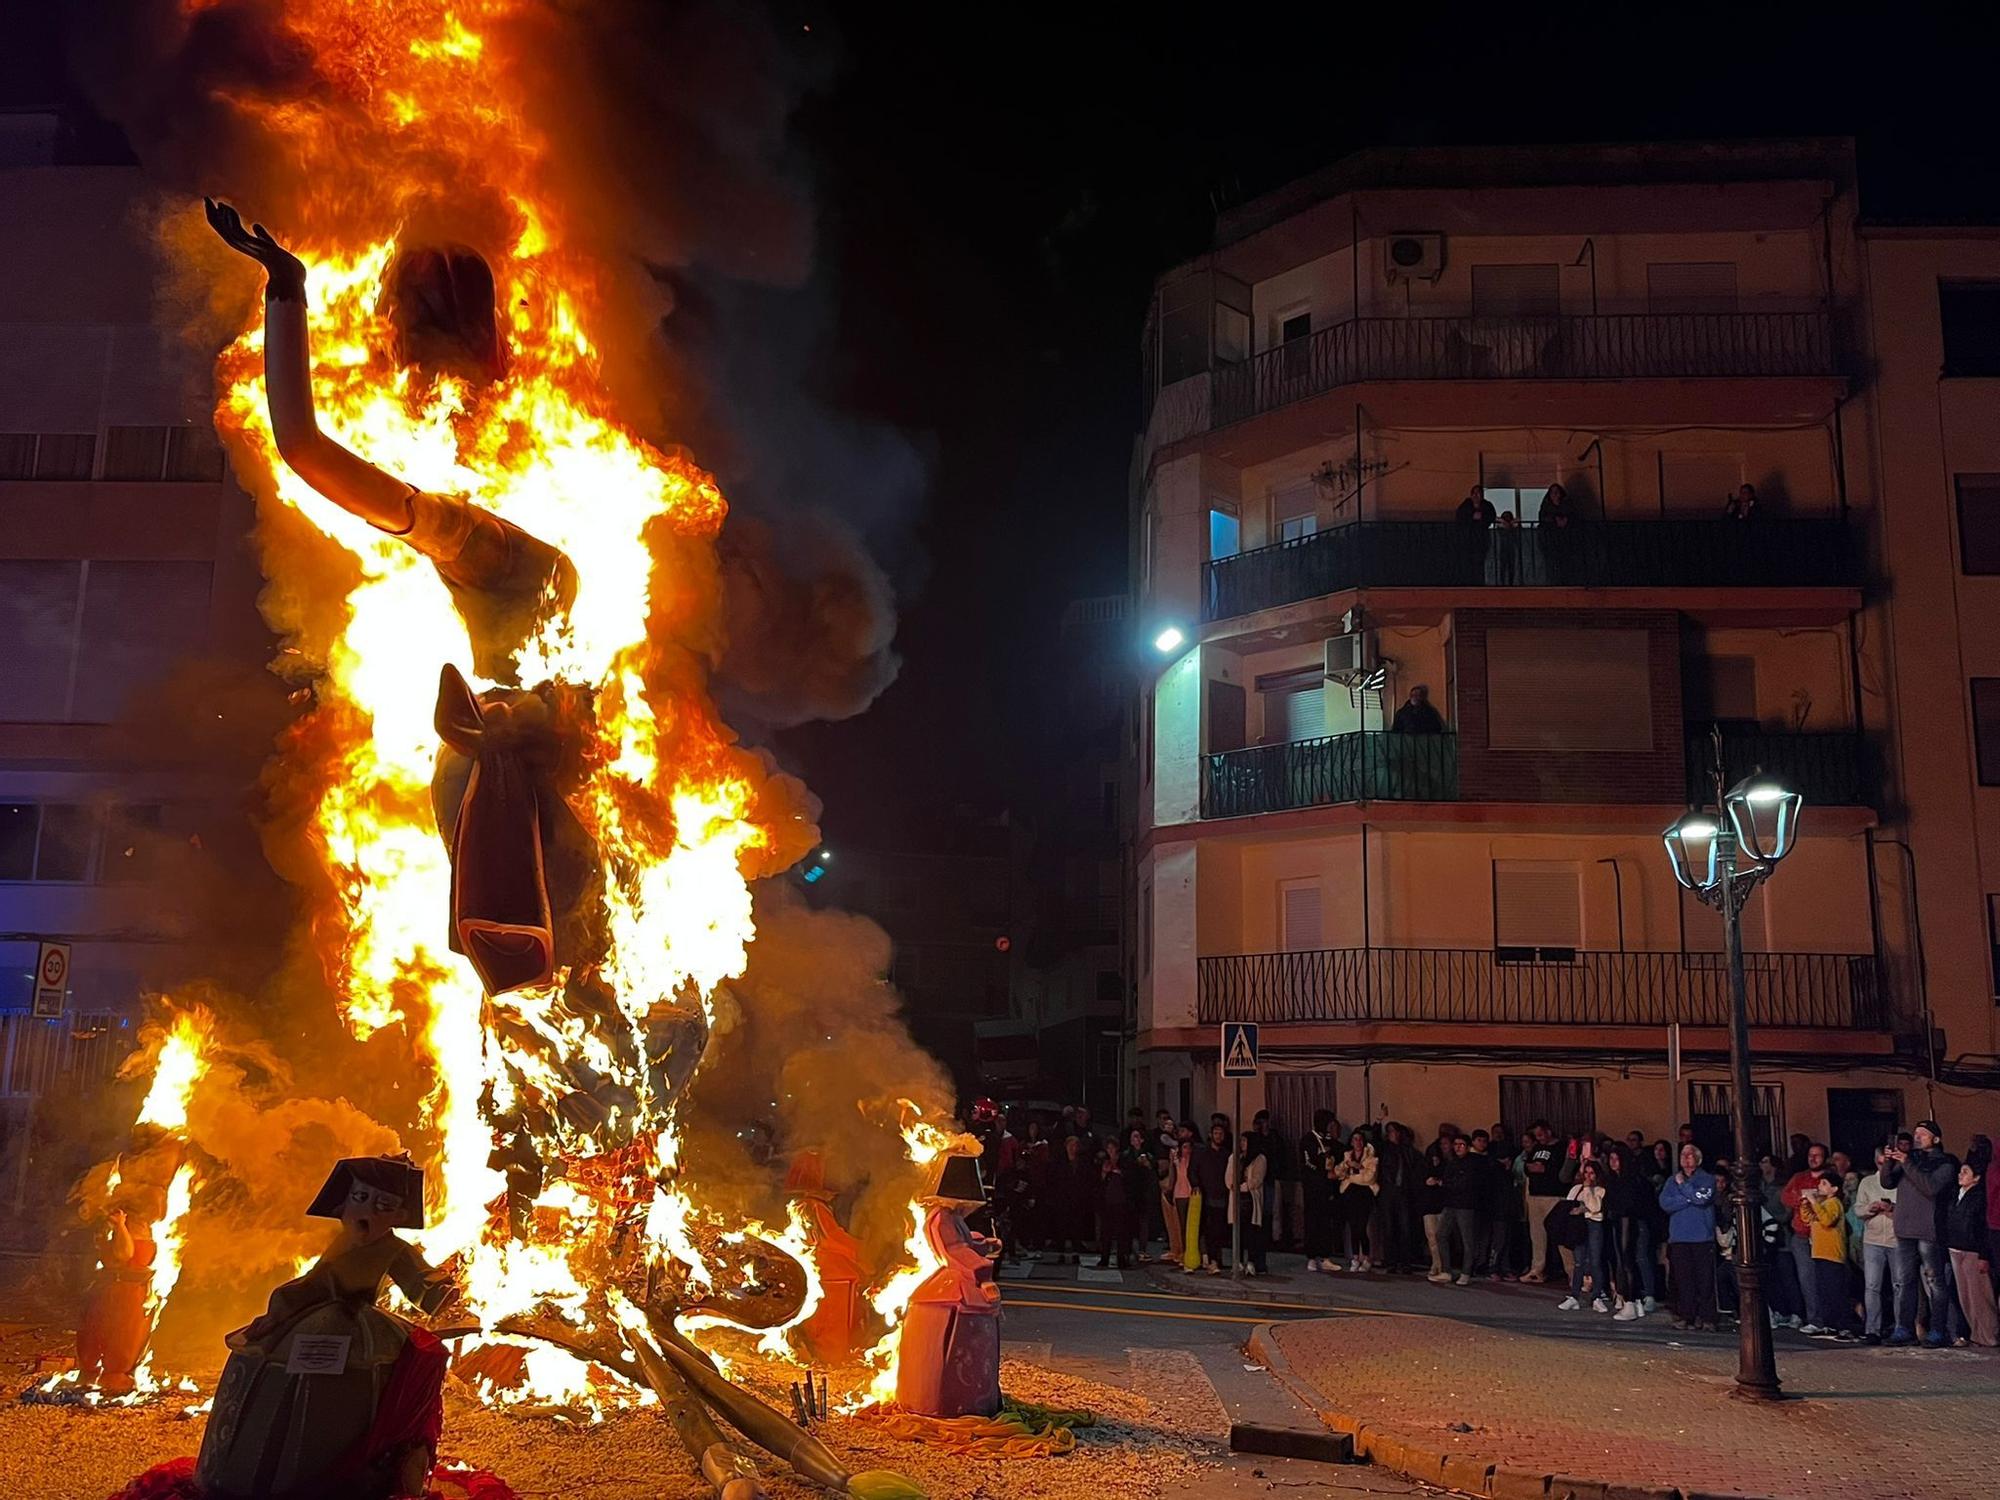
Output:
x=446 y=386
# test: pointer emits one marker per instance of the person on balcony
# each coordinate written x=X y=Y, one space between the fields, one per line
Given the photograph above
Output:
x=1417 y=714
x=1555 y=533
x=1506 y=562
x=1741 y=506
x=1476 y=517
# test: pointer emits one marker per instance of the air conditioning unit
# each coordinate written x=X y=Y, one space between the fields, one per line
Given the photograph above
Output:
x=1413 y=257
x=1347 y=656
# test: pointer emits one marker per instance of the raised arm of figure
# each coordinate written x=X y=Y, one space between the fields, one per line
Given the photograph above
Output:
x=343 y=477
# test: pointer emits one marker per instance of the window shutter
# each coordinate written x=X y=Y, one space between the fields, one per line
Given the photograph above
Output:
x=1294 y=713
x=1691 y=286
x=1300 y=929
x=1986 y=728
x=1536 y=904
x=38 y=623
x=1978 y=522
x=1516 y=291
x=1569 y=690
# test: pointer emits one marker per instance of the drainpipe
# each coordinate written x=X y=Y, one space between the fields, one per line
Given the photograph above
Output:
x=1923 y=971
x=1589 y=249
x=1618 y=884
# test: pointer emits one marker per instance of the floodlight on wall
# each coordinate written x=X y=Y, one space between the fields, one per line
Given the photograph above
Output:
x=1170 y=639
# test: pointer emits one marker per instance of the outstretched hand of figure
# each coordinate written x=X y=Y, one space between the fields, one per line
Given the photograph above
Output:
x=286 y=272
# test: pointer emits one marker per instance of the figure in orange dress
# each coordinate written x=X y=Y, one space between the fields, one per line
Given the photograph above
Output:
x=831 y=1333
x=948 y=1362
x=112 y=1335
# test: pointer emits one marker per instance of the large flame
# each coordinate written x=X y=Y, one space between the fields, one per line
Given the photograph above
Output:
x=669 y=798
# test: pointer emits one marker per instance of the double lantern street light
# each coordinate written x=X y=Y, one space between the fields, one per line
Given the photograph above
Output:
x=1722 y=856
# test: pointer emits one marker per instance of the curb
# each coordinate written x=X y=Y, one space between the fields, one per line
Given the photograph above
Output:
x=1451 y=1471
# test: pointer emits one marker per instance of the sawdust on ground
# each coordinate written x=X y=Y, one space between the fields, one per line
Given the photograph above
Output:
x=1141 y=1445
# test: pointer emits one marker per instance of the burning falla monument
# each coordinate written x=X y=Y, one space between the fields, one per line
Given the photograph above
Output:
x=528 y=841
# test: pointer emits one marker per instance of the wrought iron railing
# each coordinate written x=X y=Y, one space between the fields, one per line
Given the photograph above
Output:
x=1369 y=765
x=1832 y=990
x=1668 y=552
x=1596 y=346
x=1829 y=767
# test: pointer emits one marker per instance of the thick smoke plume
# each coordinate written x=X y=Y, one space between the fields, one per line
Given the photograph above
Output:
x=669 y=136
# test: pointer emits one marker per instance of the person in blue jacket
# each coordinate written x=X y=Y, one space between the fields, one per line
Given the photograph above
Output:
x=1688 y=1198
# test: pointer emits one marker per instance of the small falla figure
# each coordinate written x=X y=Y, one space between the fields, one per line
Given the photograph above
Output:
x=327 y=1393
x=948 y=1361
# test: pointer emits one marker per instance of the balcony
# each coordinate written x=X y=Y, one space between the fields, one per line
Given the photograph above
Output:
x=1368 y=765
x=1831 y=767
x=1830 y=990
x=1664 y=553
x=1596 y=346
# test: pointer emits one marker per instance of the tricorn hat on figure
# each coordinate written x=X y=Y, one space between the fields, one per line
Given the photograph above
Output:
x=958 y=1181
x=388 y=1174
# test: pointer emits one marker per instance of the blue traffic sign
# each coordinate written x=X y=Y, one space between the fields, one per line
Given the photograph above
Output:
x=1239 y=1049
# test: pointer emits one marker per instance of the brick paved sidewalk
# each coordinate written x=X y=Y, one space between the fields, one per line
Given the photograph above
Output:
x=1646 y=1417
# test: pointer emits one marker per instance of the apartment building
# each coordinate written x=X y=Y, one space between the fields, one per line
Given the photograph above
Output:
x=1480 y=924
x=131 y=652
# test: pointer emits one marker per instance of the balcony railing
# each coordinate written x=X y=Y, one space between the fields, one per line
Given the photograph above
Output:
x=1597 y=346
x=1831 y=768
x=1369 y=765
x=1669 y=552
x=1834 y=990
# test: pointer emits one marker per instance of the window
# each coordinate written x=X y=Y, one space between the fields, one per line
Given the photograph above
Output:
x=1294 y=513
x=65 y=455
x=1568 y=1104
x=1993 y=939
x=1225 y=533
x=1986 y=728
x=1294 y=1098
x=1979 y=522
x=135 y=452
x=1537 y=907
x=1294 y=706
x=1697 y=484
x=1569 y=690
x=140 y=620
x=1300 y=929
x=17 y=455
x=38 y=607
x=1691 y=286
x=20 y=824
x=1517 y=482
x=1715 y=1132
x=1969 y=319
x=50 y=841
x=1516 y=291
x=1183 y=329
x=194 y=454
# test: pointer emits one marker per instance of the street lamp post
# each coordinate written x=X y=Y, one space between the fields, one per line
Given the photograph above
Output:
x=1757 y=818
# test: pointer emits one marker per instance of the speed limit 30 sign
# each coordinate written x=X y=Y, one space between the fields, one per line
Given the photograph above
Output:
x=51 y=979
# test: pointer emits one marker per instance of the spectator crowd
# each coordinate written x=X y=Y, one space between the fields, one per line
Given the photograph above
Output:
x=1898 y=1250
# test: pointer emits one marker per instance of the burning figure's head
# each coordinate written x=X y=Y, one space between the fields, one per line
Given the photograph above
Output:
x=440 y=301
x=372 y=1195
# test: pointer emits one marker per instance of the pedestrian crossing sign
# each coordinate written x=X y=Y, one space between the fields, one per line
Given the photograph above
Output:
x=1239 y=1049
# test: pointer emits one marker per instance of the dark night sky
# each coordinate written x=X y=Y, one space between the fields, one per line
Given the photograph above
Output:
x=997 y=186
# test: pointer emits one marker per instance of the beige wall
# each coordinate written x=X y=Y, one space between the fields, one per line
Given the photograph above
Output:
x=1944 y=625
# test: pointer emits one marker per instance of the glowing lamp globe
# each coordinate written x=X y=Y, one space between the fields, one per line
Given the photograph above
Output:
x=1169 y=639
x=1765 y=814
x=1690 y=842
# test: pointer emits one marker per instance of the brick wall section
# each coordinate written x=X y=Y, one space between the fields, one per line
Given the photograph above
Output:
x=1486 y=775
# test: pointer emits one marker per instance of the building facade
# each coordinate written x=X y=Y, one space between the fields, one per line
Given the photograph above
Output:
x=1479 y=924
x=134 y=708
